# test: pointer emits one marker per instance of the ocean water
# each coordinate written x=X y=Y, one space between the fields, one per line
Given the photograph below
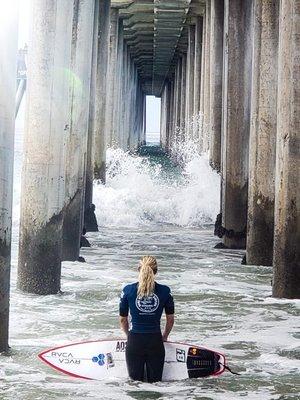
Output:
x=150 y=206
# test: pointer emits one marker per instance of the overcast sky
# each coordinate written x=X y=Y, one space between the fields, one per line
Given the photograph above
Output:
x=153 y=114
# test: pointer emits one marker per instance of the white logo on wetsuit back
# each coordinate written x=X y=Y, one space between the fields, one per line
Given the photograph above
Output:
x=147 y=304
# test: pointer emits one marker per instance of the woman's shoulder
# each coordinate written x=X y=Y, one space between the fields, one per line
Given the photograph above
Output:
x=129 y=287
x=162 y=287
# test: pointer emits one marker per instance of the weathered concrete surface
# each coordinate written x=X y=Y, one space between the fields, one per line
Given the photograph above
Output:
x=236 y=119
x=8 y=55
x=216 y=74
x=206 y=77
x=76 y=140
x=190 y=67
x=101 y=90
x=262 y=149
x=89 y=173
x=112 y=78
x=286 y=282
x=197 y=69
x=43 y=184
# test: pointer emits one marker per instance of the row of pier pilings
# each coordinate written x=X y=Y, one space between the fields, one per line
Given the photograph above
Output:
x=233 y=89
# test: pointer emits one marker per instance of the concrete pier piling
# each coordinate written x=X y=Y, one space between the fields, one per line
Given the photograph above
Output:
x=190 y=82
x=216 y=76
x=262 y=147
x=76 y=138
x=90 y=220
x=110 y=120
x=236 y=120
x=8 y=70
x=102 y=64
x=47 y=125
x=286 y=282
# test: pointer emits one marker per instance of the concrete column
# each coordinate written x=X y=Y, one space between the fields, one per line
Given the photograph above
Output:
x=216 y=73
x=286 y=282
x=47 y=123
x=236 y=119
x=262 y=146
x=202 y=74
x=90 y=222
x=112 y=75
x=190 y=80
x=76 y=140
x=197 y=74
x=177 y=101
x=124 y=89
x=206 y=94
x=8 y=71
x=183 y=98
x=171 y=117
x=101 y=90
x=163 y=115
x=118 y=122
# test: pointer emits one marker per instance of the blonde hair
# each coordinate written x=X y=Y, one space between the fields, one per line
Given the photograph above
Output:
x=147 y=270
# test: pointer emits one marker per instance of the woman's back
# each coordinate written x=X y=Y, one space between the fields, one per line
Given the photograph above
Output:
x=146 y=311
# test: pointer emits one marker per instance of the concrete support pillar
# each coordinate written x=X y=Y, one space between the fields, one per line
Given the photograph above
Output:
x=262 y=146
x=163 y=115
x=216 y=73
x=183 y=98
x=236 y=119
x=112 y=76
x=202 y=81
x=118 y=121
x=76 y=139
x=101 y=90
x=190 y=81
x=47 y=123
x=177 y=94
x=197 y=74
x=171 y=117
x=8 y=71
x=206 y=93
x=286 y=282
x=90 y=222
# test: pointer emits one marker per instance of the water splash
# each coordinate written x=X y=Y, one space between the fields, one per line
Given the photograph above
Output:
x=139 y=191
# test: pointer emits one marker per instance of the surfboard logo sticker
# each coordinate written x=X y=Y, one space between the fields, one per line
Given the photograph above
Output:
x=121 y=346
x=147 y=304
x=99 y=359
x=180 y=355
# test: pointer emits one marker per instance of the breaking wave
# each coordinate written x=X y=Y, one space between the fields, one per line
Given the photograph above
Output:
x=141 y=191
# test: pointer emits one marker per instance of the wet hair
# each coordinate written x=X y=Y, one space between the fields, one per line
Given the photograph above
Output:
x=147 y=270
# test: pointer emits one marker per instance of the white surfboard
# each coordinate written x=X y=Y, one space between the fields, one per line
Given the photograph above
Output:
x=105 y=359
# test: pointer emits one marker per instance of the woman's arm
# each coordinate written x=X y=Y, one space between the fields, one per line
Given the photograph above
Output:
x=124 y=324
x=169 y=325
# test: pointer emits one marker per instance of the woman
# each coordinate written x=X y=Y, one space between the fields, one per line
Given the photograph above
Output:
x=146 y=301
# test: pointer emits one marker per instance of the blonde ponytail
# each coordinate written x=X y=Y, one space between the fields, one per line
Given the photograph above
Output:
x=147 y=269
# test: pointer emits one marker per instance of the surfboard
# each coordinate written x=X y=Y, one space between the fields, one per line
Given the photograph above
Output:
x=105 y=359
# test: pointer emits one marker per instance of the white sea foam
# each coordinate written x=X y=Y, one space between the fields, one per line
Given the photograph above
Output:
x=138 y=192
